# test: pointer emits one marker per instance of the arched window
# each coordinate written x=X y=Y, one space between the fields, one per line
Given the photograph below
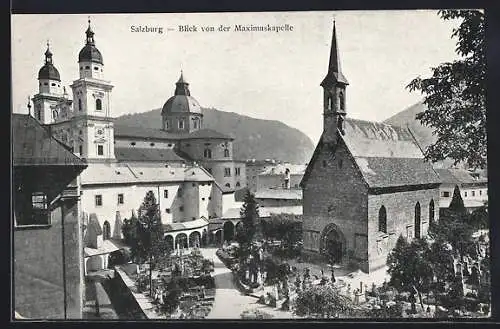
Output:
x=79 y=104
x=181 y=124
x=167 y=125
x=226 y=153
x=330 y=103
x=431 y=212
x=106 y=231
x=207 y=153
x=227 y=185
x=417 y=220
x=195 y=123
x=238 y=184
x=98 y=105
x=342 y=101
x=382 y=220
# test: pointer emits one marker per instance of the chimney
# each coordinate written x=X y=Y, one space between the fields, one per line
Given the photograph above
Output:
x=287 y=178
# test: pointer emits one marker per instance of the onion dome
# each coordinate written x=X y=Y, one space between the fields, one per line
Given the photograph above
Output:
x=89 y=52
x=182 y=101
x=48 y=70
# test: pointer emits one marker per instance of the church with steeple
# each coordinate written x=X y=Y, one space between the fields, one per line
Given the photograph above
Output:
x=366 y=184
x=190 y=169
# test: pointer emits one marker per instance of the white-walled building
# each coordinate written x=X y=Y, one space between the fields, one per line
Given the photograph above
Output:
x=190 y=169
x=473 y=187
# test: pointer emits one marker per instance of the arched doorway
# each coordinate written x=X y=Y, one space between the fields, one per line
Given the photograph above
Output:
x=194 y=239
x=106 y=230
x=181 y=241
x=170 y=241
x=333 y=244
x=228 y=230
x=417 y=220
x=217 y=235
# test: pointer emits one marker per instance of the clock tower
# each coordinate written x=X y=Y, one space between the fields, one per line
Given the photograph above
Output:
x=92 y=105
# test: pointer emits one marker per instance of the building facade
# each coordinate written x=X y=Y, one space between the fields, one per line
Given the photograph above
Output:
x=254 y=168
x=284 y=175
x=47 y=236
x=366 y=184
x=473 y=187
x=189 y=168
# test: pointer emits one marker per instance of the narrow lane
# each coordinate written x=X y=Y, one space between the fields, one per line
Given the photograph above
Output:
x=229 y=302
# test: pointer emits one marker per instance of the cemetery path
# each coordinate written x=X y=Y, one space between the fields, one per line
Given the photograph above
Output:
x=229 y=301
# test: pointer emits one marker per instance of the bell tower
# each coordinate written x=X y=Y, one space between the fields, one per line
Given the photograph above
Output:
x=92 y=105
x=334 y=95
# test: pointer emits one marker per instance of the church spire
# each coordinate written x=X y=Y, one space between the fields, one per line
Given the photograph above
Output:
x=334 y=74
x=48 y=54
x=90 y=34
x=182 y=86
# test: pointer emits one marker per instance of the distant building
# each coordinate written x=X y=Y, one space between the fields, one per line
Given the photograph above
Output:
x=473 y=187
x=283 y=175
x=47 y=253
x=254 y=168
x=366 y=184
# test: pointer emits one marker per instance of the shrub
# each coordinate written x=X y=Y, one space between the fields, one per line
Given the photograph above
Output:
x=271 y=300
x=262 y=300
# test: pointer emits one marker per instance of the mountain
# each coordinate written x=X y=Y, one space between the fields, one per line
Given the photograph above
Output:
x=422 y=134
x=254 y=138
x=406 y=118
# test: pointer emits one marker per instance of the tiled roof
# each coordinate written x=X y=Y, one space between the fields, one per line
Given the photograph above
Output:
x=126 y=154
x=32 y=144
x=146 y=133
x=279 y=169
x=386 y=155
x=150 y=133
x=107 y=246
x=190 y=225
x=109 y=174
x=458 y=176
x=387 y=172
x=207 y=133
x=279 y=193
x=373 y=139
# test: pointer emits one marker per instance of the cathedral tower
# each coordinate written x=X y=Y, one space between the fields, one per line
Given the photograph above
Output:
x=49 y=91
x=92 y=105
x=334 y=88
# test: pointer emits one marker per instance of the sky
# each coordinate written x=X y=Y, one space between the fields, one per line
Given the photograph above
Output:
x=266 y=75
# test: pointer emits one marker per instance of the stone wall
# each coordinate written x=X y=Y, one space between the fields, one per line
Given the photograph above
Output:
x=38 y=267
x=335 y=193
x=400 y=209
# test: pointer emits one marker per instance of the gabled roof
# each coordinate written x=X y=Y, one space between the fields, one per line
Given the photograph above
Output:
x=189 y=225
x=128 y=154
x=33 y=145
x=386 y=155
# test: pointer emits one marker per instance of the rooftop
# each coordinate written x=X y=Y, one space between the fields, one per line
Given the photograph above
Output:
x=122 y=173
x=127 y=154
x=457 y=176
x=279 y=169
x=279 y=193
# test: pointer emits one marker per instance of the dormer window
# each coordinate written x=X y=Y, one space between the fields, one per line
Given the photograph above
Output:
x=181 y=124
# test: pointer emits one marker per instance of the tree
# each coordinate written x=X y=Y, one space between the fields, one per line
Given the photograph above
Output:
x=455 y=95
x=249 y=216
x=457 y=203
x=408 y=266
x=145 y=235
x=322 y=301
